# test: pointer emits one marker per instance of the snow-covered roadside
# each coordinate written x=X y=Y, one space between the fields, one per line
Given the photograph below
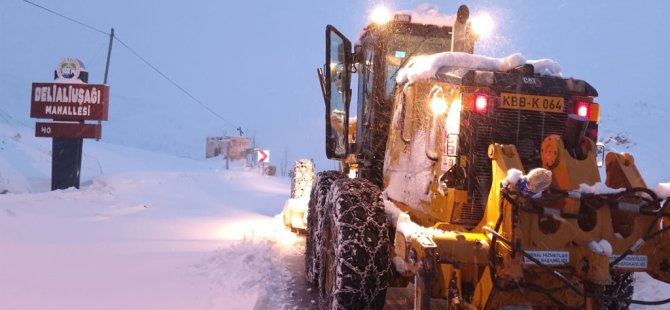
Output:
x=151 y=232
x=147 y=231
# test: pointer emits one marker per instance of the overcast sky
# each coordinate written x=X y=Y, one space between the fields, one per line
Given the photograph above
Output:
x=254 y=62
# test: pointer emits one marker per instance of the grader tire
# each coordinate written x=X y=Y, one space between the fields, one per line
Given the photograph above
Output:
x=317 y=200
x=622 y=287
x=355 y=268
x=302 y=176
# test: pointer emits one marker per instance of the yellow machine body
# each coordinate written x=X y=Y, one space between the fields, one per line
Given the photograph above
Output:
x=565 y=234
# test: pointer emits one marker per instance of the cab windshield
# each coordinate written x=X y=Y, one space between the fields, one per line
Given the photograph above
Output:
x=401 y=47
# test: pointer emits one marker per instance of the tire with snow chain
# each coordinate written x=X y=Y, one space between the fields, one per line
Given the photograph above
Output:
x=317 y=200
x=302 y=175
x=354 y=248
x=622 y=287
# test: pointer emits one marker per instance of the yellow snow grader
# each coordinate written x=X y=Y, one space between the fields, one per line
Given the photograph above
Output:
x=476 y=179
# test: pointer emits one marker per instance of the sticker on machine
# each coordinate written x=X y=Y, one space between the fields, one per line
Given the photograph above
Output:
x=631 y=261
x=447 y=162
x=548 y=257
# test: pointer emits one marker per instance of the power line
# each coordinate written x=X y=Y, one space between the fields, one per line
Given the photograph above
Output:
x=172 y=82
x=146 y=62
x=68 y=18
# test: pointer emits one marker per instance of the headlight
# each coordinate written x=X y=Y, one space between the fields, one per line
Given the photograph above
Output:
x=438 y=105
x=437 y=102
x=482 y=25
x=381 y=15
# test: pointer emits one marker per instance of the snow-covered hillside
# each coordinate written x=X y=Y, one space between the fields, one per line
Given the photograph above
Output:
x=641 y=129
x=145 y=231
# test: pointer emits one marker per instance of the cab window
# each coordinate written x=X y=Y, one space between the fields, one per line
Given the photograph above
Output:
x=365 y=88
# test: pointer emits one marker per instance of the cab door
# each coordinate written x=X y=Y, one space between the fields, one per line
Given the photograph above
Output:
x=335 y=80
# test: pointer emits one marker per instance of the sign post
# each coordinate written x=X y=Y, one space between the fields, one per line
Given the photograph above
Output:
x=263 y=157
x=69 y=101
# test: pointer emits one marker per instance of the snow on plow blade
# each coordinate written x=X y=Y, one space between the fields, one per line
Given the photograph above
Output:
x=294 y=213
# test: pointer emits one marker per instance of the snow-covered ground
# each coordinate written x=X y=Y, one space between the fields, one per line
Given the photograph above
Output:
x=145 y=231
x=153 y=231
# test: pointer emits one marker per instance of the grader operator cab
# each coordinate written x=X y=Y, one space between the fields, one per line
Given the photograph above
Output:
x=474 y=178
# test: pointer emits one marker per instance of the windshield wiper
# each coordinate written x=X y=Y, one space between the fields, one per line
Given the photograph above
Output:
x=404 y=61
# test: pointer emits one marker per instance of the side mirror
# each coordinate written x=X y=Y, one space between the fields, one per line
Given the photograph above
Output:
x=600 y=153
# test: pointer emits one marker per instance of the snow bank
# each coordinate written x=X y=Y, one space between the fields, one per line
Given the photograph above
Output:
x=151 y=232
x=426 y=66
x=245 y=272
x=25 y=160
x=147 y=240
x=650 y=289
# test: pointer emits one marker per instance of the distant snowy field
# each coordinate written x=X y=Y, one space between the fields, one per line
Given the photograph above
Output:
x=152 y=231
x=641 y=129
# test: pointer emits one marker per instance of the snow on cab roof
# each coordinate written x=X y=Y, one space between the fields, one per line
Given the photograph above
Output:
x=429 y=14
x=426 y=66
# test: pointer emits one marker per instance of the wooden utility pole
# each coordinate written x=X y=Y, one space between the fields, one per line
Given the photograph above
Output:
x=109 y=56
x=228 y=154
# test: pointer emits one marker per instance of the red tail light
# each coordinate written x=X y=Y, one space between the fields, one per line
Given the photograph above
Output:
x=481 y=103
x=583 y=109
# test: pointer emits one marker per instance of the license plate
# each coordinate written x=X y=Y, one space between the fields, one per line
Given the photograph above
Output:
x=532 y=103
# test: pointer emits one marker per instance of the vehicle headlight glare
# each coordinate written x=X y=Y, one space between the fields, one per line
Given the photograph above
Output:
x=438 y=105
x=381 y=15
x=482 y=25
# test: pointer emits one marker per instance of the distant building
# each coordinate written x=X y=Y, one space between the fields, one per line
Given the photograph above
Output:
x=234 y=148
